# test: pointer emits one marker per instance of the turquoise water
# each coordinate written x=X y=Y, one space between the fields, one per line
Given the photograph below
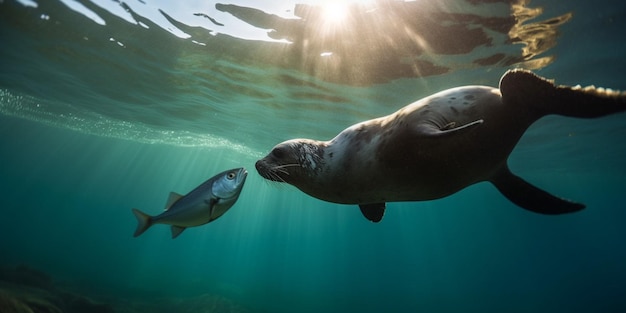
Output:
x=115 y=105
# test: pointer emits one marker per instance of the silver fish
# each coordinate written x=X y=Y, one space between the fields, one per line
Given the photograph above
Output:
x=202 y=205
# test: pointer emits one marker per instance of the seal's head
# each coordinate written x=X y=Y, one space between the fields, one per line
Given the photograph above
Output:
x=290 y=160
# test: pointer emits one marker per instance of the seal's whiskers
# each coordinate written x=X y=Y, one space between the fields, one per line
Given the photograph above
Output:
x=281 y=168
x=274 y=183
x=285 y=165
x=275 y=177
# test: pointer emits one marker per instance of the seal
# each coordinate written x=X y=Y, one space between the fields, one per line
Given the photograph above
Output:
x=437 y=146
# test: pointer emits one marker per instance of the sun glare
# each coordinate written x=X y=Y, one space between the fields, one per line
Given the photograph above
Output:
x=336 y=12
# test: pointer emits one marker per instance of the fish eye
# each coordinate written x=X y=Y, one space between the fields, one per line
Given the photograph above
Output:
x=230 y=176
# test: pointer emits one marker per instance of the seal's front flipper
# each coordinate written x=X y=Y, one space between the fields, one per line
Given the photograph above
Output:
x=434 y=131
x=530 y=197
x=373 y=212
x=451 y=127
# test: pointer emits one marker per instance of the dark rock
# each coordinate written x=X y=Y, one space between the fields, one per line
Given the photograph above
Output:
x=24 y=275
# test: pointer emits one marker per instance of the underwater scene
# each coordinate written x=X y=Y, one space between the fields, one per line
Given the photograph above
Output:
x=112 y=111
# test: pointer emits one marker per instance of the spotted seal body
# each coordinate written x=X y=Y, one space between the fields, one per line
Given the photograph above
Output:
x=437 y=146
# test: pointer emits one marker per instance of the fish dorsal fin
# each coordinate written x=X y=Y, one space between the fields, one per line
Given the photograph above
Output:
x=172 y=199
x=373 y=212
x=177 y=230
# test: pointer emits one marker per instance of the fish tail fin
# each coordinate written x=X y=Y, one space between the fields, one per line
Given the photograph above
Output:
x=547 y=98
x=144 y=221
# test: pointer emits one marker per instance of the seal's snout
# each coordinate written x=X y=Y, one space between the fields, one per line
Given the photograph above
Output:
x=259 y=166
x=267 y=170
x=262 y=169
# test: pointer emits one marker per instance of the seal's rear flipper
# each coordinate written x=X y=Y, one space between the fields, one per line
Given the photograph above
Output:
x=521 y=87
x=530 y=197
x=373 y=212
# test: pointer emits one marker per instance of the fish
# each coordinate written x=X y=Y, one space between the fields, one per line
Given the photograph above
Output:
x=202 y=205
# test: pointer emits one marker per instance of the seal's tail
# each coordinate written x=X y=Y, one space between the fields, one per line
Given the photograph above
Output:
x=521 y=86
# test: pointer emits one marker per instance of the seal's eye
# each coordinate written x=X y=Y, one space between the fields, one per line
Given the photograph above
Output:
x=278 y=153
x=230 y=175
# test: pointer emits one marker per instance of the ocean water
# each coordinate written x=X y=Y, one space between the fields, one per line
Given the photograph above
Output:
x=110 y=105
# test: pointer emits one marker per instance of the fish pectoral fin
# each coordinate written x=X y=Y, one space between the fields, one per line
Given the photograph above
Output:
x=373 y=212
x=530 y=197
x=211 y=203
x=172 y=199
x=177 y=230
